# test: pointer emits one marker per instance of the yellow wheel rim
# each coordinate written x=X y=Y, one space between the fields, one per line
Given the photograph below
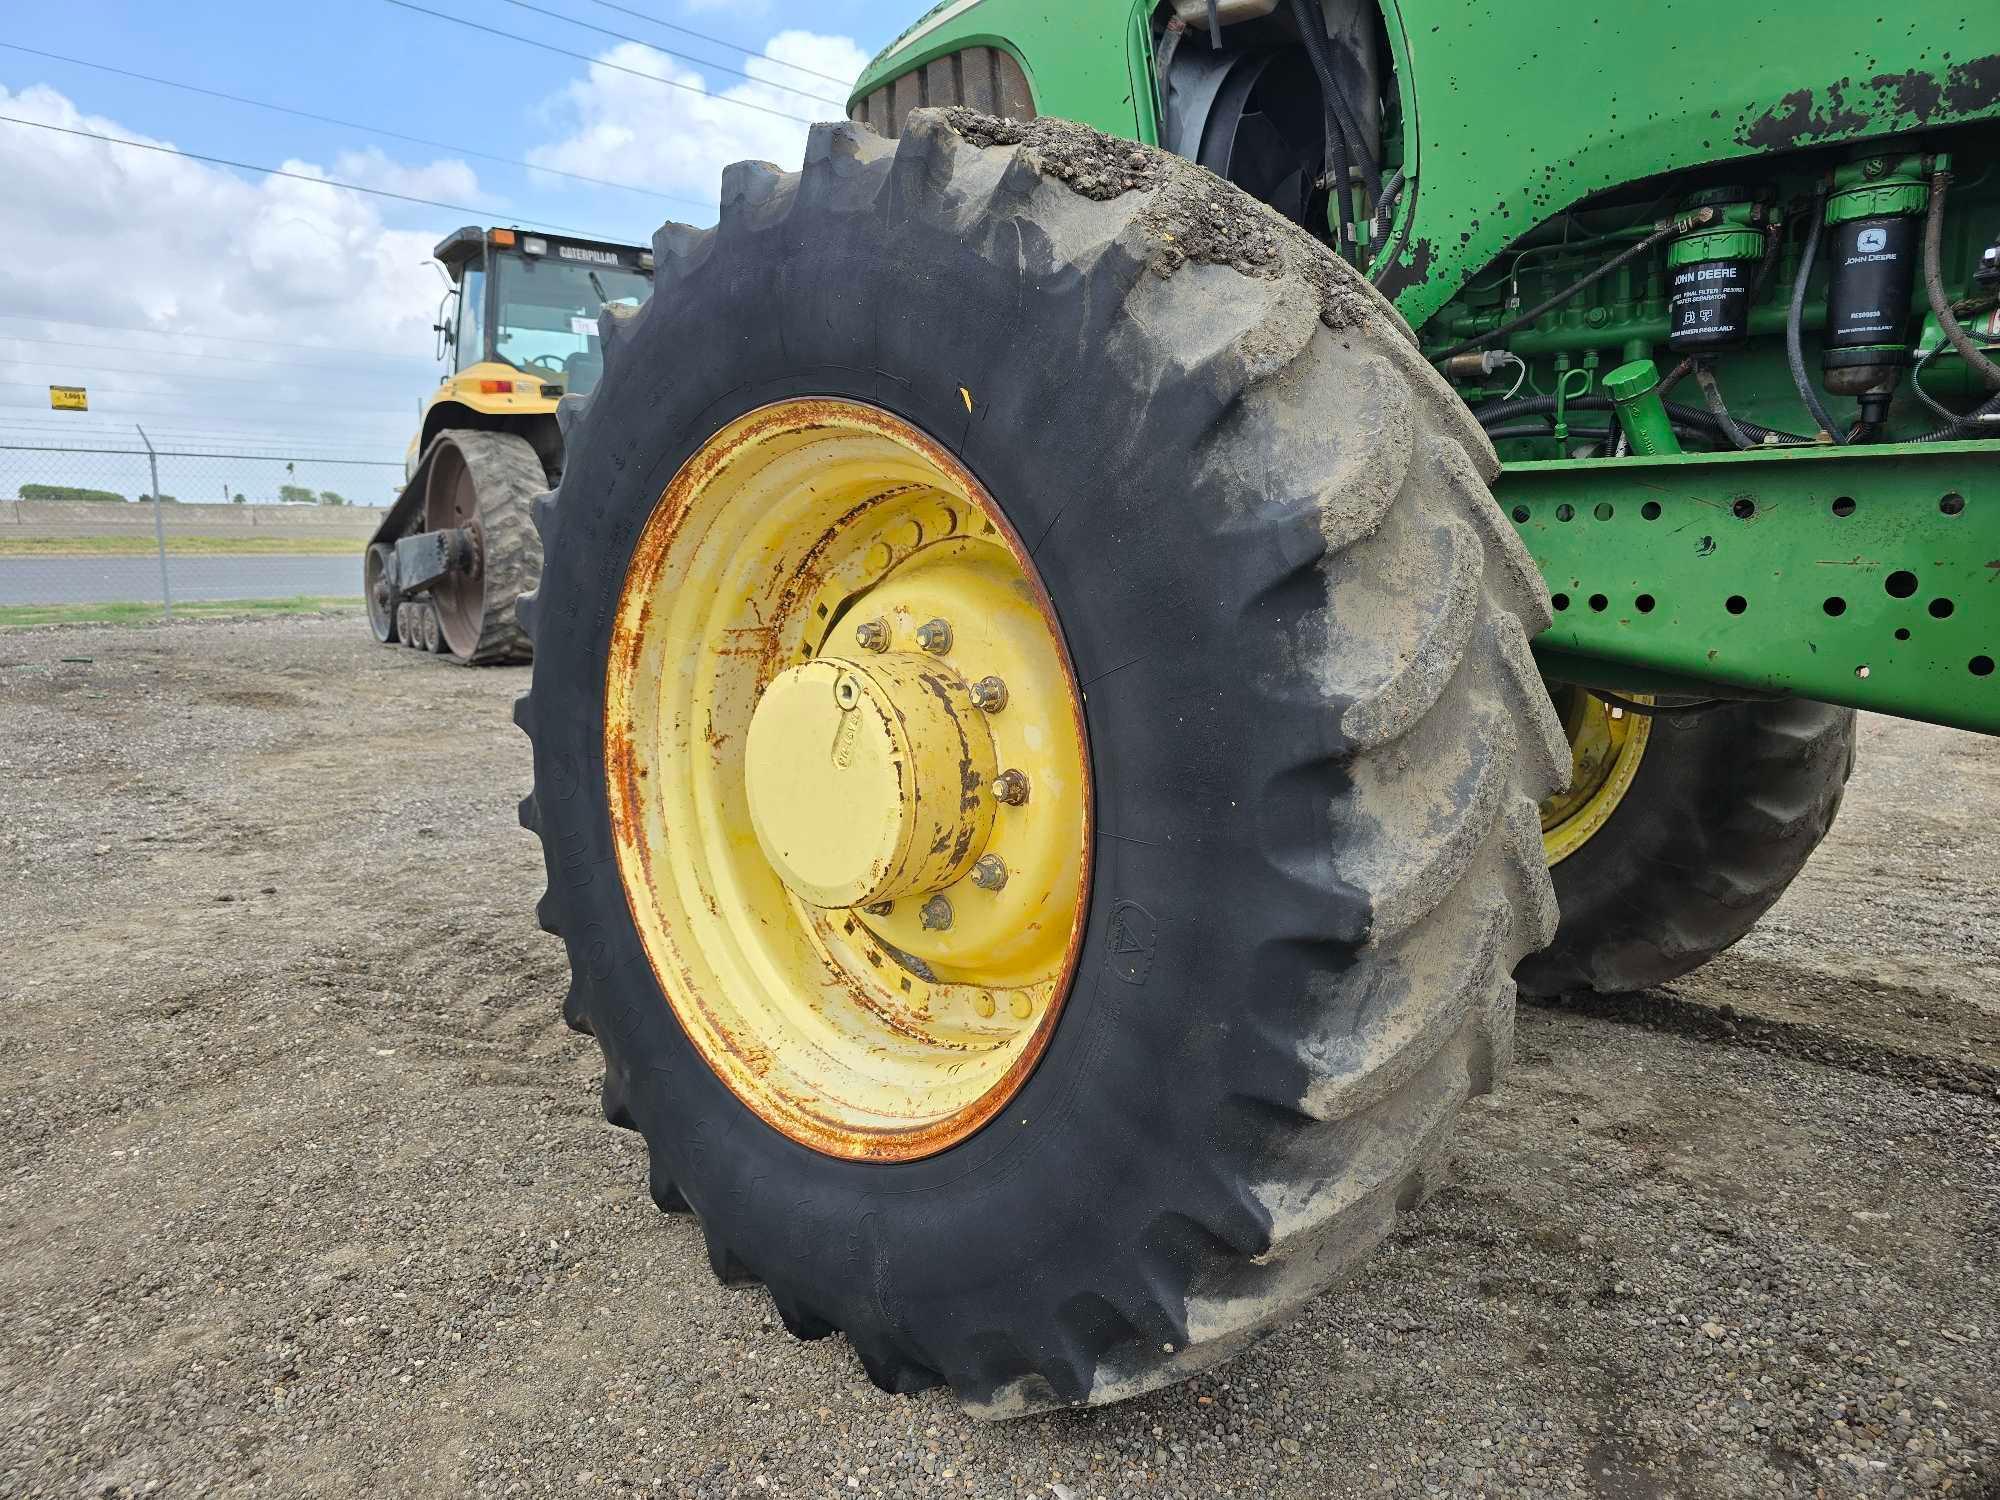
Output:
x=844 y=755
x=1606 y=744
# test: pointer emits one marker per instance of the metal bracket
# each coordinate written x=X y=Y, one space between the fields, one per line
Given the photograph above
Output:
x=1863 y=576
x=423 y=559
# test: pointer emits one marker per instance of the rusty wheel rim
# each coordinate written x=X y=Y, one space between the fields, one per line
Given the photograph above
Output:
x=847 y=774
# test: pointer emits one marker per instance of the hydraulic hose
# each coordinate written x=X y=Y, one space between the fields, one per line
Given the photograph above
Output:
x=1384 y=212
x=1521 y=320
x=1681 y=415
x=1795 y=321
x=1968 y=351
x=1717 y=408
x=1312 y=28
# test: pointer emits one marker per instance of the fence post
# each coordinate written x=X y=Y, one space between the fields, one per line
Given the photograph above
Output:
x=159 y=526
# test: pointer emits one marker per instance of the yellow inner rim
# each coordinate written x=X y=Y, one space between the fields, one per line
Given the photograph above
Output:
x=1606 y=744
x=858 y=871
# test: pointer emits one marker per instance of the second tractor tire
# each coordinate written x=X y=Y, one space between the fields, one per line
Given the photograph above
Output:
x=1726 y=806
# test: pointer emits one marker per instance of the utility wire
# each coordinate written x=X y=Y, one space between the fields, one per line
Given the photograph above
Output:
x=716 y=41
x=598 y=62
x=350 y=187
x=394 y=135
x=220 y=338
x=234 y=359
x=621 y=36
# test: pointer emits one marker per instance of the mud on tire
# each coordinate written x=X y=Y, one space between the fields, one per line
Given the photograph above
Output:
x=1317 y=744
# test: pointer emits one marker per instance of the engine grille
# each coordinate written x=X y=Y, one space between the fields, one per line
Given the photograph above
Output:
x=982 y=78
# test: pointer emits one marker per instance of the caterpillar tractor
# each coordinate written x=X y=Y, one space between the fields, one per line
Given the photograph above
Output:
x=519 y=324
x=1188 y=554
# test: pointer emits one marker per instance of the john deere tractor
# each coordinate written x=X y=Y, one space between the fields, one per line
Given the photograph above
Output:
x=519 y=324
x=1108 y=622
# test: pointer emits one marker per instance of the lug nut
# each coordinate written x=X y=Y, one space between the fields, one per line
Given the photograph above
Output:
x=989 y=695
x=879 y=908
x=1021 y=1005
x=936 y=915
x=983 y=1003
x=990 y=872
x=935 y=636
x=872 y=635
x=1011 y=787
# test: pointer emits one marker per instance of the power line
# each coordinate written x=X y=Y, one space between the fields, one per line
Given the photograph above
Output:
x=717 y=41
x=219 y=338
x=668 y=51
x=598 y=62
x=234 y=359
x=350 y=187
x=394 y=135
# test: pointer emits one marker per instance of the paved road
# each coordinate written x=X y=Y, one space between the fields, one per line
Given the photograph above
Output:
x=93 y=580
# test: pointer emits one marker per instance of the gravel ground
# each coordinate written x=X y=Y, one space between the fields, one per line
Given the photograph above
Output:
x=304 y=1189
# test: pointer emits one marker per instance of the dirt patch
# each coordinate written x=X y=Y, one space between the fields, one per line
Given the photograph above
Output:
x=304 y=1189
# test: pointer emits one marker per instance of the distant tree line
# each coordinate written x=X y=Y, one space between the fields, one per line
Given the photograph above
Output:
x=291 y=494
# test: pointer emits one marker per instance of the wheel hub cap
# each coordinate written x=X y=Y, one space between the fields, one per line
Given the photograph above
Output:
x=865 y=780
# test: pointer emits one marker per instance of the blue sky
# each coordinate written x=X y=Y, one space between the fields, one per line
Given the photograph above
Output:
x=173 y=253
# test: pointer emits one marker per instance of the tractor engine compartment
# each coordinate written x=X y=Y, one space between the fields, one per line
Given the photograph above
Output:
x=1661 y=315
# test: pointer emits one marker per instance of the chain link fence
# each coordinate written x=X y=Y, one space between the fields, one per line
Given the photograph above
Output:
x=116 y=527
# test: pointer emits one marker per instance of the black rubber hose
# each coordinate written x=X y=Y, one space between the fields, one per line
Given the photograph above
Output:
x=1717 y=408
x=1679 y=413
x=1385 y=211
x=1795 y=316
x=1521 y=320
x=1968 y=351
x=1312 y=31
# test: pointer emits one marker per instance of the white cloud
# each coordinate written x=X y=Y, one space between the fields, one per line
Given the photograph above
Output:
x=638 y=131
x=141 y=240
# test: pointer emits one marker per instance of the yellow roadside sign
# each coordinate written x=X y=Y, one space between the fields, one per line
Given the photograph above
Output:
x=68 y=398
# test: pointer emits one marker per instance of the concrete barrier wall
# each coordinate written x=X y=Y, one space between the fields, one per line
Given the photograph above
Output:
x=78 y=518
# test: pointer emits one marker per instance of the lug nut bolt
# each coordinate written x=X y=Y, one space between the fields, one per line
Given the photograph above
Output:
x=1022 y=1006
x=989 y=695
x=934 y=636
x=990 y=872
x=936 y=915
x=872 y=635
x=1011 y=787
x=983 y=1003
x=879 y=908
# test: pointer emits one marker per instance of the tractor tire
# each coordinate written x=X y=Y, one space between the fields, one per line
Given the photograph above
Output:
x=1721 y=815
x=1316 y=745
x=485 y=480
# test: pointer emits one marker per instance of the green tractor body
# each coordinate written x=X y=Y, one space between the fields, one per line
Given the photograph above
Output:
x=1529 y=146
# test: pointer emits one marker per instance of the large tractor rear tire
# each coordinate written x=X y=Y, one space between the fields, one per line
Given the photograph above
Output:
x=1679 y=831
x=1013 y=489
x=485 y=480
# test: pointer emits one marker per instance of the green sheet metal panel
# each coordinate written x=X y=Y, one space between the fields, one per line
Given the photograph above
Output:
x=1865 y=576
